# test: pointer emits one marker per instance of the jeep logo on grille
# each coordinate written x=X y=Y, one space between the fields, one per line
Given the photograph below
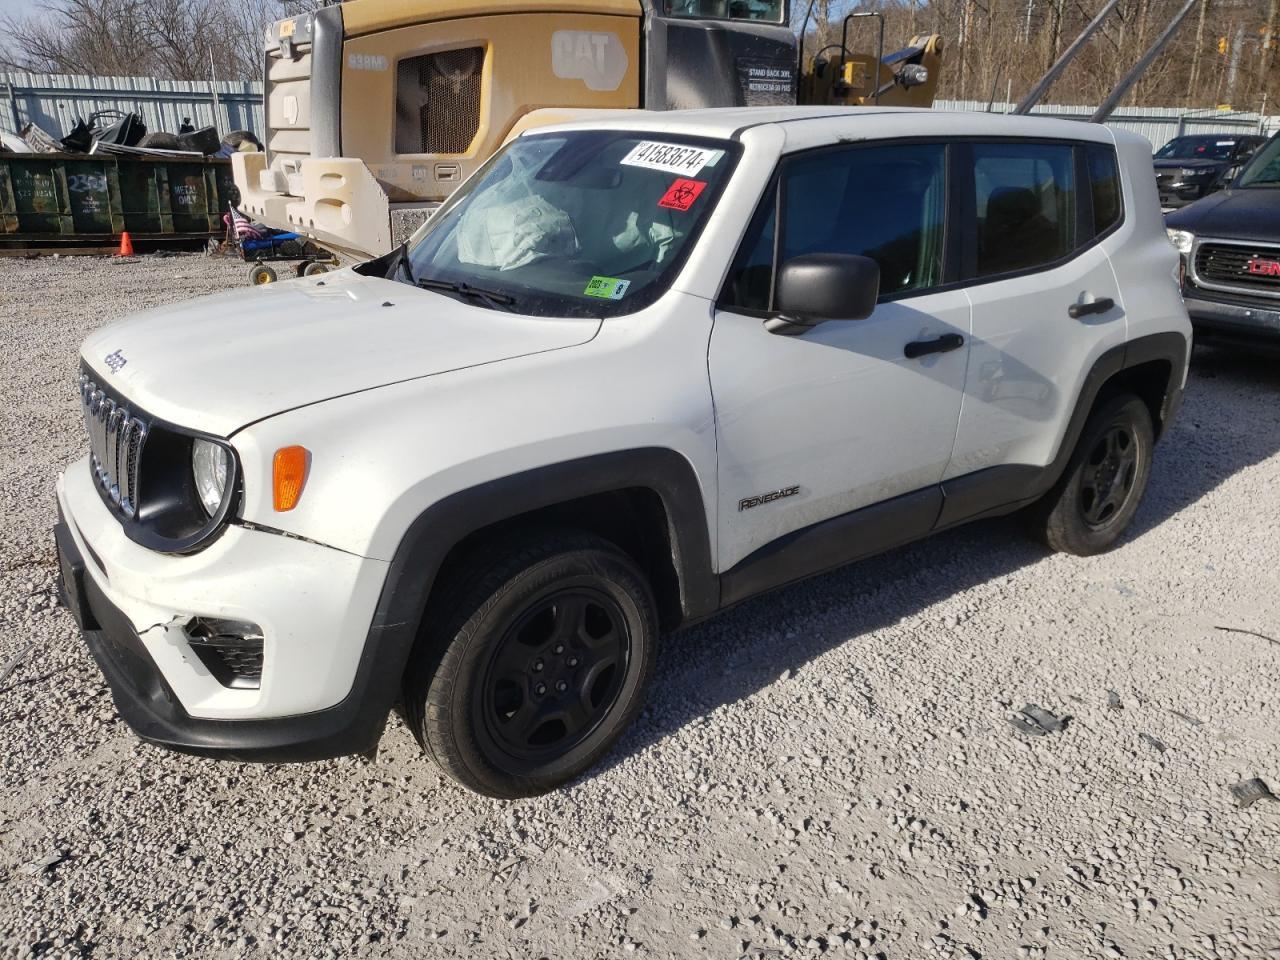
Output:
x=115 y=360
x=1263 y=268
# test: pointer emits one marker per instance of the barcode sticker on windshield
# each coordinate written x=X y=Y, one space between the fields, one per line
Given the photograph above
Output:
x=606 y=288
x=670 y=157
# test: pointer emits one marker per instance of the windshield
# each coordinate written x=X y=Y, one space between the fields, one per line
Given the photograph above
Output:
x=766 y=11
x=586 y=223
x=1197 y=148
x=1264 y=169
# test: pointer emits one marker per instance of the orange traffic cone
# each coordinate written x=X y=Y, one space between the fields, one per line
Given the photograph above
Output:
x=126 y=245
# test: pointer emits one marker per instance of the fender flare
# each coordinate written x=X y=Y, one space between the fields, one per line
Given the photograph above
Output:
x=428 y=540
x=1003 y=489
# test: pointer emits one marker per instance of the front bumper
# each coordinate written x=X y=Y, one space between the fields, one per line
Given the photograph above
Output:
x=327 y=684
x=1178 y=195
x=1232 y=320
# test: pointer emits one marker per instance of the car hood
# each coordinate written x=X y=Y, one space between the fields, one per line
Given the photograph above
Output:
x=223 y=361
x=1200 y=164
x=1252 y=214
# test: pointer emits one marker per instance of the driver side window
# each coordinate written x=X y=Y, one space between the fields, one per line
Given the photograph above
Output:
x=885 y=202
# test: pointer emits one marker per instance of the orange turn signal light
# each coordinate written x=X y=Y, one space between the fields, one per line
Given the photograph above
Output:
x=288 y=474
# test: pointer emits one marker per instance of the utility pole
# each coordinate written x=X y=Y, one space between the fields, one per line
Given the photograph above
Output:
x=1197 y=52
x=1055 y=30
x=1268 y=48
x=1143 y=9
x=1233 y=65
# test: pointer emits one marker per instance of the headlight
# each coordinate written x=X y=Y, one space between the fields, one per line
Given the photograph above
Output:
x=1181 y=240
x=209 y=466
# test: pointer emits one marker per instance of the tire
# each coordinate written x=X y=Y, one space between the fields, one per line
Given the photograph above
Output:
x=1093 y=503
x=539 y=666
x=242 y=141
x=260 y=274
x=160 y=141
x=313 y=269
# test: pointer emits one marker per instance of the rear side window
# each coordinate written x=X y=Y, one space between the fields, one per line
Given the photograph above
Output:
x=1025 y=205
x=1104 y=186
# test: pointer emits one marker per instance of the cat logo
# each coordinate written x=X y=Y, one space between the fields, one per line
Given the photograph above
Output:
x=597 y=59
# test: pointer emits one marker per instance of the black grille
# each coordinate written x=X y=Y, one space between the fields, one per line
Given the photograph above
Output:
x=438 y=101
x=1245 y=268
x=232 y=652
x=117 y=434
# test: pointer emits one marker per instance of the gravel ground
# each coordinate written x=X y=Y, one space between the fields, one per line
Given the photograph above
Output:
x=829 y=769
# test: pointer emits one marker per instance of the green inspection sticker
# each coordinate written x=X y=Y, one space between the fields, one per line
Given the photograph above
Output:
x=607 y=288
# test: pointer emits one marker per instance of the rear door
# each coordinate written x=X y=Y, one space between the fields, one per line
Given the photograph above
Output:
x=1045 y=300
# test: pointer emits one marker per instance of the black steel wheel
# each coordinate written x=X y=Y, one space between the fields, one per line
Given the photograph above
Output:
x=554 y=675
x=537 y=665
x=1109 y=474
x=1092 y=504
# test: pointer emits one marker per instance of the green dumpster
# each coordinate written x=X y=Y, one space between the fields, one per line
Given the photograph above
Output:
x=65 y=199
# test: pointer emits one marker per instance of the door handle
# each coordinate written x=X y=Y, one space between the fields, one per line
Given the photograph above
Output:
x=1078 y=310
x=942 y=344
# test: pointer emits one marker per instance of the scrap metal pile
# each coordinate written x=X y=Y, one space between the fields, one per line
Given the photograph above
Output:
x=125 y=134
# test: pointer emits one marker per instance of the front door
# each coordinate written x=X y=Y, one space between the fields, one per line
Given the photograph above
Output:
x=813 y=426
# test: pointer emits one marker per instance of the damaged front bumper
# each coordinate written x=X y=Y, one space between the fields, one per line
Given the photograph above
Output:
x=321 y=691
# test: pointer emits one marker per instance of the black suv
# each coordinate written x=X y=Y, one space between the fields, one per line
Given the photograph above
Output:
x=1188 y=168
x=1230 y=246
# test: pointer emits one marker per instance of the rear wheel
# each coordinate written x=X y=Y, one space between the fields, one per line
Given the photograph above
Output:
x=260 y=274
x=541 y=666
x=313 y=269
x=1104 y=482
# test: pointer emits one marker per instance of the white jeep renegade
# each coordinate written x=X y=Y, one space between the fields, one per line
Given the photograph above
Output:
x=636 y=370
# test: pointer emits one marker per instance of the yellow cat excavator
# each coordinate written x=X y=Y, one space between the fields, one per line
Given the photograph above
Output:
x=377 y=109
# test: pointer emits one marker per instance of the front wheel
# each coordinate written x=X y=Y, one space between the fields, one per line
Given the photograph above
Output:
x=542 y=665
x=1093 y=503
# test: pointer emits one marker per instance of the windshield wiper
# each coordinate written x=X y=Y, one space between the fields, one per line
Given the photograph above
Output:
x=494 y=298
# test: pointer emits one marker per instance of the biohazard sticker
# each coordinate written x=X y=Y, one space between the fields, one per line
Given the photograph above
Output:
x=682 y=194
x=606 y=288
x=670 y=157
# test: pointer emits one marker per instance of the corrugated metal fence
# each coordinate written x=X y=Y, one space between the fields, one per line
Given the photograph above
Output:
x=55 y=101
x=1157 y=124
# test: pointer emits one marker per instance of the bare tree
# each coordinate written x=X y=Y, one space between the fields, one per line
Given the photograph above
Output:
x=171 y=39
x=991 y=45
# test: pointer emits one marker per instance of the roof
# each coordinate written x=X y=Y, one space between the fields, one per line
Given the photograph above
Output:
x=810 y=125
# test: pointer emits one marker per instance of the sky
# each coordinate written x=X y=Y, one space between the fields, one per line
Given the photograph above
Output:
x=17 y=6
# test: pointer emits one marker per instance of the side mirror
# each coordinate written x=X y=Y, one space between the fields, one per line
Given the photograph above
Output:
x=817 y=287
